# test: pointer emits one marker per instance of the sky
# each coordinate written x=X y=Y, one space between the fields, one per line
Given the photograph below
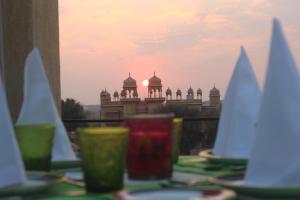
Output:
x=186 y=42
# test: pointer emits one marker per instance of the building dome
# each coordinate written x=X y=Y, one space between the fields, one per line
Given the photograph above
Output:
x=199 y=92
x=104 y=93
x=105 y=96
x=116 y=94
x=123 y=93
x=129 y=82
x=135 y=94
x=168 y=92
x=214 y=92
x=178 y=92
x=190 y=91
x=154 y=81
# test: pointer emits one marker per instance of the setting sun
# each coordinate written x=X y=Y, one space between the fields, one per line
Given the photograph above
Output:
x=145 y=83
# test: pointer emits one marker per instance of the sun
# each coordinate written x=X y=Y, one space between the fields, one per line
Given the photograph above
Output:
x=145 y=83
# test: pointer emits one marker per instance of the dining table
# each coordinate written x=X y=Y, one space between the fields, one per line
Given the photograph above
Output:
x=190 y=171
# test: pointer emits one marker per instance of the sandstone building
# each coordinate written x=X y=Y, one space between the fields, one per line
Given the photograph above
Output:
x=127 y=102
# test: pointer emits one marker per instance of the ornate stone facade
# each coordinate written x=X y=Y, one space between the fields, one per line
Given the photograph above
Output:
x=128 y=102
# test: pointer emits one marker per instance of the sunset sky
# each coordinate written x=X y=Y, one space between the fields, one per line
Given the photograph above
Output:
x=186 y=42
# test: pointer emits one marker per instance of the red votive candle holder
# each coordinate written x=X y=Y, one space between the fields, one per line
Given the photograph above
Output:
x=150 y=146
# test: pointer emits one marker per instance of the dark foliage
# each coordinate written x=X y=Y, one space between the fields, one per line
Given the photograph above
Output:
x=178 y=110
x=72 y=109
x=196 y=134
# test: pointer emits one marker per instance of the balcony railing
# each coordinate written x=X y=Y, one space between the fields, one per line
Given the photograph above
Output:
x=187 y=119
x=198 y=132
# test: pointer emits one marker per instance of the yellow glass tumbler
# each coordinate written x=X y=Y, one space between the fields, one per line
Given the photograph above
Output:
x=177 y=134
x=103 y=152
x=35 y=143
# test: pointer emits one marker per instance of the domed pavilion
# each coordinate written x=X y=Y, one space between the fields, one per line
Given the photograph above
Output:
x=129 y=88
x=190 y=94
x=169 y=93
x=154 y=87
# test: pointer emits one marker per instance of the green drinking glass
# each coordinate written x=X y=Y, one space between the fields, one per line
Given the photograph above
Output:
x=35 y=143
x=103 y=152
x=177 y=133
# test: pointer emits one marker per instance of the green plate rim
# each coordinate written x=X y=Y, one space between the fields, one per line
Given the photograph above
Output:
x=38 y=187
x=256 y=191
x=207 y=154
x=65 y=164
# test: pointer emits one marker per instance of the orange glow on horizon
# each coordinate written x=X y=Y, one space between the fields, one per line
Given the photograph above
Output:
x=145 y=83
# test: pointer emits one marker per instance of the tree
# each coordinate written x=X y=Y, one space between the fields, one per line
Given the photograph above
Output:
x=196 y=134
x=209 y=127
x=191 y=135
x=72 y=109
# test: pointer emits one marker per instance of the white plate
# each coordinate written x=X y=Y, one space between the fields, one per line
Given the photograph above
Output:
x=177 y=176
x=238 y=185
x=36 y=182
x=176 y=194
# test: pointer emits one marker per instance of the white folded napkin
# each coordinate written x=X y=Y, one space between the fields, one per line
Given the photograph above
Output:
x=275 y=159
x=240 y=107
x=11 y=165
x=39 y=107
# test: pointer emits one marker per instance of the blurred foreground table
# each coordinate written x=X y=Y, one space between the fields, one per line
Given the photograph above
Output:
x=190 y=171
